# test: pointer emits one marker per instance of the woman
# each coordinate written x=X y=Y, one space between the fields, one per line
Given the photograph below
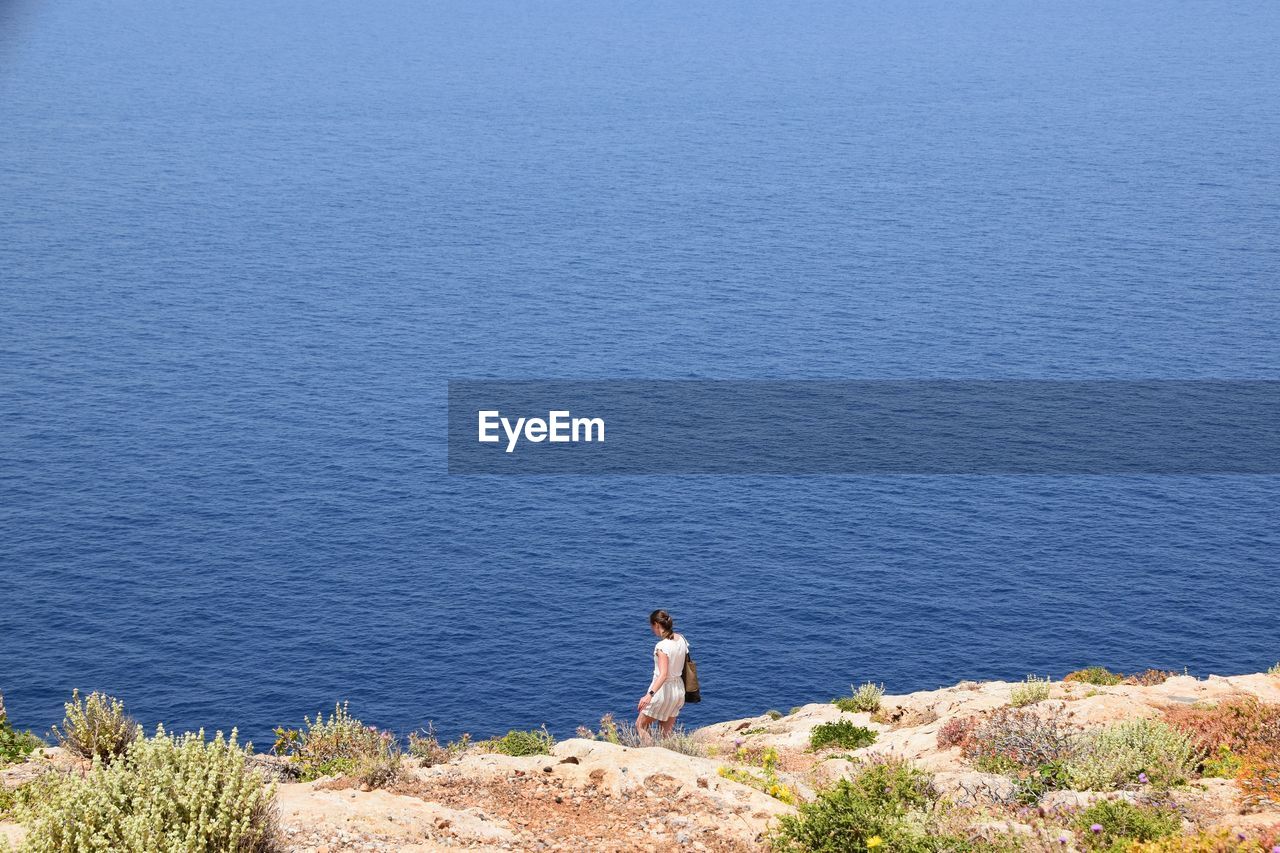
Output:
x=665 y=698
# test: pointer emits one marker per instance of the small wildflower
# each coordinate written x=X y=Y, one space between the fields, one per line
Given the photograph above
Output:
x=1096 y=828
x=874 y=842
x=1062 y=839
x=1142 y=777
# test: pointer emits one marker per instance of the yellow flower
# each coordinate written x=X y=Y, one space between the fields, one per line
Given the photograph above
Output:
x=874 y=842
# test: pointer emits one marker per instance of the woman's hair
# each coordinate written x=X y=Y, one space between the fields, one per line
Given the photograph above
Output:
x=663 y=620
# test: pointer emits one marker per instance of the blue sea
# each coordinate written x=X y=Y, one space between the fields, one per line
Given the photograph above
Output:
x=245 y=245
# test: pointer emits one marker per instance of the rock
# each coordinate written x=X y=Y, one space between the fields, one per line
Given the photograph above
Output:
x=1056 y=801
x=972 y=788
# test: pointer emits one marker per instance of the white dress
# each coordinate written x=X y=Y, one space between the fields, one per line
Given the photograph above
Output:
x=669 y=698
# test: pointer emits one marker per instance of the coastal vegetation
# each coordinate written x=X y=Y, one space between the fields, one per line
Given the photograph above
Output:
x=841 y=733
x=516 y=742
x=14 y=745
x=1125 y=768
x=164 y=794
x=425 y=746
x=96 y=727
x=1100 y=676
x=865 y=699
x=341 y=745
x=766 y=780
x=1238 y=738
x=1097 y=675
x=1142 y=751
x=1114 y=825
x=887 y=805
x=625 y=734
x=1030 y=691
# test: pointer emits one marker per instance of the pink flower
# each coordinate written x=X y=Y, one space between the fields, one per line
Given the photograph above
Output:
x=1096 y=828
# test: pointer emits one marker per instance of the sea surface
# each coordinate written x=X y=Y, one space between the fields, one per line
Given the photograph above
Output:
x=244 y=246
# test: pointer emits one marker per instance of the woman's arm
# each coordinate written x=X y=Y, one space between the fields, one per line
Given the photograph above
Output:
x=664 y=663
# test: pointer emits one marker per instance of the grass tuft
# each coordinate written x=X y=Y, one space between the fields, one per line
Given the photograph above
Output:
x=1030 y=691
x=864 y=699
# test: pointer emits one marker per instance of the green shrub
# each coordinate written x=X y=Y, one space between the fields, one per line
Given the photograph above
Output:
x=887 y=806
x=1224 y=764
x=1275 y=669
x=773 y=715
x=164 y=795
x=1099 y=675
x=96 y=727
x=341 y=746
x=795 y=710
x=1114 y=824
x=865 y=699
x=14 y=745
x=1030 y=691
x=536 y=742
x=842 y=733
x=1119 y=754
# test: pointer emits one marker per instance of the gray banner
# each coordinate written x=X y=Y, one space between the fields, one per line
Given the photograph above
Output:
x=864 y=427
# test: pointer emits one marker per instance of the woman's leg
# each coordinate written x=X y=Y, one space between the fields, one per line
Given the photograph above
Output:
x=643 y=722
x=666 y=727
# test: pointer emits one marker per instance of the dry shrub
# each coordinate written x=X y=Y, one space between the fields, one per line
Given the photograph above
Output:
x=1239 y=725
x=1259 y=778
x=1243 y=733
x=956 y=732
x=1011 y=738
x=1149 y=677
